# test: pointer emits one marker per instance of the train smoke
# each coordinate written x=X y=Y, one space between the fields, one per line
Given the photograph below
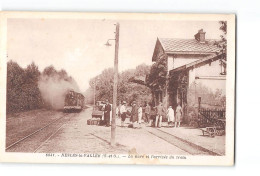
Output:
x=53 y=89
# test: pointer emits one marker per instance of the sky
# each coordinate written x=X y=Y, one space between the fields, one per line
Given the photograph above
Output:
x=77 y=45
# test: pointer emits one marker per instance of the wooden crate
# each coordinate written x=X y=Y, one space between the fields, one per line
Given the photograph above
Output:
x=93 y=121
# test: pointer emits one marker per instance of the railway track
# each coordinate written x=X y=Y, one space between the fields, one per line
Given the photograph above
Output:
x=182 y=144
x=48 y=139
x=32 y=142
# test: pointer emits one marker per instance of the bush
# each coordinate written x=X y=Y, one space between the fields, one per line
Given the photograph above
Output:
x=22 y=88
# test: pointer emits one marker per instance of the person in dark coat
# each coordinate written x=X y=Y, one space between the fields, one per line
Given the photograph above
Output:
x=160 y=111
x=134 y=114
x=152 y=116
x=147 y=111
x=123 y=111
x=107 y=111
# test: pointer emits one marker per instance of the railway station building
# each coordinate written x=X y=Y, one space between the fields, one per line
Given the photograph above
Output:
x=187 y=62
x=180 y=65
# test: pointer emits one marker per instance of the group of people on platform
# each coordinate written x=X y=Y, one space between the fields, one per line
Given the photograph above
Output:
x=151 y=116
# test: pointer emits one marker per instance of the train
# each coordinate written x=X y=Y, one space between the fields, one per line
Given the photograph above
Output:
x=74 y=101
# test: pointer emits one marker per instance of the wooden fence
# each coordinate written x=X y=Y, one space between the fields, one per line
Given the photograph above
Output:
x=214 y=113
x=212 y=117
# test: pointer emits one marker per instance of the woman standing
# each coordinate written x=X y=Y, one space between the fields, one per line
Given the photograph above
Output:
x=170 y=115
x=134 y=115
x=178 y=115
x=140 y=114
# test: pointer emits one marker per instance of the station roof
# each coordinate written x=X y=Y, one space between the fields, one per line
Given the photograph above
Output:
x=185 y=46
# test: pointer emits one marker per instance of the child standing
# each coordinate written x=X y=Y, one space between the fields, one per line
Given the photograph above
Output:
x=170 y=115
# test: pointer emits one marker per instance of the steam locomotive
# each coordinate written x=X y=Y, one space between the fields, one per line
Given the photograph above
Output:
x=74 y=102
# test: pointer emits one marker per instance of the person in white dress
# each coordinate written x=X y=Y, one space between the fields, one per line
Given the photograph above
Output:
x=140 y=114
x=170 y=115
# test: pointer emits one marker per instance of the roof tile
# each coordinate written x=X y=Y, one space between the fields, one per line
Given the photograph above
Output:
x=188 y=45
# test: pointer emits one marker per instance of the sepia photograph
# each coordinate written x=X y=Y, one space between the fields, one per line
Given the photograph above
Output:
x=117 y=88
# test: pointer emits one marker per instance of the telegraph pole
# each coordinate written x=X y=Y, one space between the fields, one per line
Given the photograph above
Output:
x=113 y=125
x=95 y=92
x=167 y=84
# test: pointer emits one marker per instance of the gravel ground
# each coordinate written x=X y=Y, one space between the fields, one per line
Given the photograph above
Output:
x=73 y=135
x=78 y=137
x=216 y=144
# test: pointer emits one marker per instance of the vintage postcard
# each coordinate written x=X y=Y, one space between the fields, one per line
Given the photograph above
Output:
x=117 y=88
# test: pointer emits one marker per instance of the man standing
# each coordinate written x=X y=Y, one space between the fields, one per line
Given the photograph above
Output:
x=107 y=111
x=123 y=113
x=160 y=111
x=147 y=112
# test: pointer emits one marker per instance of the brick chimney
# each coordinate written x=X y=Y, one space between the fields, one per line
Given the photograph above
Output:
x=200 y=36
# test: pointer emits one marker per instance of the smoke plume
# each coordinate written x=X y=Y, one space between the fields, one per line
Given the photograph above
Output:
x=53 y=88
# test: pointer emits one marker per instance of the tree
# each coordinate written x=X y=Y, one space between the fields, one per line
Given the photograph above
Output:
x=156 y=79
x=15 y=78
x=28 y=89
x=104 y=85
x=127 y=91
x=208 y=97
x=22 y=88
x=33 y=95
x=142 y=70
x=222 y=44
x=49 y=71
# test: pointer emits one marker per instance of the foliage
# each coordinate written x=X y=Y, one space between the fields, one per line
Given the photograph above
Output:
x=104 y=85
x=222 y=44
x=127 y=91
x=156 y=79
x=22 y=89
x=223 y=26
x=208 y=97
x=51 y=72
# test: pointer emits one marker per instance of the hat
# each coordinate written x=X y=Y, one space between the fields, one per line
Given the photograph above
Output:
x=106 y=100
x=124 y=102
x=133 y=102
